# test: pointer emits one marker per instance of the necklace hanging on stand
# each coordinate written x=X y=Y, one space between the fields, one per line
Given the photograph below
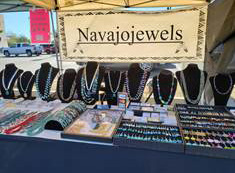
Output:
x=6 y=88
x=47 y=88
x=87 y=93
x=140 y=89
x=61 y=89
x=27 y=86
x=114 y=92
x=229 y=88
x=170 y=94
x=183 y=84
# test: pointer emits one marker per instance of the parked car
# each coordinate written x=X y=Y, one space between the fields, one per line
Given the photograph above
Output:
x=22 y=48
x=48 y=48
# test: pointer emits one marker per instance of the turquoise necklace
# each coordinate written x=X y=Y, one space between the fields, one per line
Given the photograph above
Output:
x=159 y=91
x=47 y=88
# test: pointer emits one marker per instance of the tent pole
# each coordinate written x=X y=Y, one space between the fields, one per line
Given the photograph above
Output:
x=56 y=48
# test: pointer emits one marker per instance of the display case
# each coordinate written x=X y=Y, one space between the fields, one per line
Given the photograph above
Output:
x=149 y=136
x=94 y=125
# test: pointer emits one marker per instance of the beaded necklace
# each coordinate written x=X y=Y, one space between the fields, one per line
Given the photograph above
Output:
x=61 y=89
x=114 y=92
x=183 y=84
x=27 y=86
x=88 y=92
x=6 y=88
x=47 y=88
x=159 y=91
x=140 y=90
x=229 y=88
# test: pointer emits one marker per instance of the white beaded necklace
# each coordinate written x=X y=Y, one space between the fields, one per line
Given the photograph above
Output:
x=183 y=84
x=27 y=86
x=61 y=89
x=110 y=84
x=230 y=85
x=9 y=84
x=93 y=78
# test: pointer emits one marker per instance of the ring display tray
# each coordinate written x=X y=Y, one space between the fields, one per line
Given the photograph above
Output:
x=152 y=136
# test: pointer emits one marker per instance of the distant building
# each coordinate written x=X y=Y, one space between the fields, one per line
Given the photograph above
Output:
x=3 y=38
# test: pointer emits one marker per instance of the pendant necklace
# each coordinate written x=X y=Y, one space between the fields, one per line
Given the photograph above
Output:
x=87 y=92
x=27 y=86
x=183 y=84
x=159 y=91
x=114 y=92
x=10 y=82
x=229 y=88
x=47 y=88
x=140 y=89
x=61 y=89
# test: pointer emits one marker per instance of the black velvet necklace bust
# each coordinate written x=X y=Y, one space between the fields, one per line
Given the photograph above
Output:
x=25 y=84
x=8 y=78
x=134 y=77
x=167 y=86
x=43 y=77
x=222 y=86
x=192 y=76
x=114 y=82
x=90 y=68
x=66 y=85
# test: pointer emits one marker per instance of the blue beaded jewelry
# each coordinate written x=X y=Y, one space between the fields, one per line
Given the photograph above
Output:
x=159 y=91
x=47 y=88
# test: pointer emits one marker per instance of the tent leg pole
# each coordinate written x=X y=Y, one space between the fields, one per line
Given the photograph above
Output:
x=56 y=48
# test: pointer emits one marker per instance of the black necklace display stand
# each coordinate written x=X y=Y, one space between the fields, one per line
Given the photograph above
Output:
x=25 y=82
x=43 y=75
x=115 y=78
x=9 y=71
x=165 y=84
x=134 y=76
x=192 y=79
x=91 y=68
x=222 y=85
x=67 y=86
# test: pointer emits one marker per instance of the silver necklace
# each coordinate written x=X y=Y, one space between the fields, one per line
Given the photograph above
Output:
x=61 y=89
x=93 y=78
x=21 y=87
x=183 y=84
x=9 y=84
x=229 y=88
x=110 y=84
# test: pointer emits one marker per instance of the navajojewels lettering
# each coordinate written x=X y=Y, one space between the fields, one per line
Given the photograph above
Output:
x=118 y=36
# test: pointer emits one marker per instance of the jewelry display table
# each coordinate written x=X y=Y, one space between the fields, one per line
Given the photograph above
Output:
x=47 y=152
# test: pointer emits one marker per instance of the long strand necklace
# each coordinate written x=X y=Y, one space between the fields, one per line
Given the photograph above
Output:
x=114 y=92
x=61 y=89
x=47 y=88
x=27 y=86
x=183 y=84
x=229 y=88
x=87 y=92
x=140 y=90
x=10 y=82
x=170 y=94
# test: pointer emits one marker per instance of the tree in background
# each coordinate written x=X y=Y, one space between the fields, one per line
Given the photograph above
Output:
x=14 y=39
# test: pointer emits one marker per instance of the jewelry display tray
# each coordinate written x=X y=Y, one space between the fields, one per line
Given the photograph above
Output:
x=90 y=138
x=207 y=151
x=151 y=145
x=221 y=109
x=210 y=152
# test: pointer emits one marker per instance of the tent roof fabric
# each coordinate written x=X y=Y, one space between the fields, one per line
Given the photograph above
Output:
x=65 y=5
x=14 y=5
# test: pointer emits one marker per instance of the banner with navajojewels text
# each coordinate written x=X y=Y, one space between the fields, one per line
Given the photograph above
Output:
x=114 y=36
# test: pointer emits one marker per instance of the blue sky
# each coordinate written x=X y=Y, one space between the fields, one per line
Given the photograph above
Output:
x=18 y=23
